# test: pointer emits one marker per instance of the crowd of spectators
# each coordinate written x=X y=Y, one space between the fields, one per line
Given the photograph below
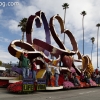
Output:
x=8 y=74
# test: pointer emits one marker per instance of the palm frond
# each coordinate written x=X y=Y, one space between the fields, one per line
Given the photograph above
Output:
x=83 y=13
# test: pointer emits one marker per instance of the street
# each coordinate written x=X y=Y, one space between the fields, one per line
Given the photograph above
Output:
x=73 y=94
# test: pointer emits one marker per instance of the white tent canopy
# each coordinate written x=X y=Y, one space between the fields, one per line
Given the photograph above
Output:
x=2 y=68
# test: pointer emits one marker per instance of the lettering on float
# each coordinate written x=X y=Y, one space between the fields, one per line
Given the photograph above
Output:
x=28 y=85
x=41 y=84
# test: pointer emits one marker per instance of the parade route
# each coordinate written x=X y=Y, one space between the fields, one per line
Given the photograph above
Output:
x=74 y=94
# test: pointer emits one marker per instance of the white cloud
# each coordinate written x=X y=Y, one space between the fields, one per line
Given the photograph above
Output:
x=22 y=10
x=2 y=39
x=13 y=25
x=6 y=57
x=1 y=11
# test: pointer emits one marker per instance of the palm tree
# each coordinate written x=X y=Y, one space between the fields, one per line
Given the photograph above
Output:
x=65 y=6
x=83 y=13
x=98 y=25
x=22 y=24
x=92 y=39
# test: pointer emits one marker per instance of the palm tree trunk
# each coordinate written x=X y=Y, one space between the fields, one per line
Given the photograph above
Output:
x=23 y=36
x=97 y=46
x=91 y=52
x=64 y=25
x=83 y=32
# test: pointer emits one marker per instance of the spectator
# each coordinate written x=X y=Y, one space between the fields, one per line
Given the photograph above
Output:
x=93 y=76
x=0 y=74
x=98 y=78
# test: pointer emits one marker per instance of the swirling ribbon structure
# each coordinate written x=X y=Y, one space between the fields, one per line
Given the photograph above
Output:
x=32 y=45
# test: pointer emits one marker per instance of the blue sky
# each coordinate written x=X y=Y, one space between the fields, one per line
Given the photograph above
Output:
x=11 y=15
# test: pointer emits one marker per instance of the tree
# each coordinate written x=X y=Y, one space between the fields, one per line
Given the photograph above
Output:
x=98 y=25
x=22 y=24
x=83 y=13
x=92 y=39
x=65 y=6
x=0 y=63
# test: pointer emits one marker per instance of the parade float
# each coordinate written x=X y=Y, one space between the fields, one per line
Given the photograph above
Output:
x=39 y=49
x=5 y=76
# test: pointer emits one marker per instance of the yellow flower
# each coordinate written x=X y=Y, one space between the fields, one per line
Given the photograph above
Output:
x=18 y=54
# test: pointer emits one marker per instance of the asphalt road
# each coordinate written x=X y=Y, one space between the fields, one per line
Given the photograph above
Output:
x=74 y=94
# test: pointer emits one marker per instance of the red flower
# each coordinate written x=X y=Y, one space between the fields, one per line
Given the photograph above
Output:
x=15 y=87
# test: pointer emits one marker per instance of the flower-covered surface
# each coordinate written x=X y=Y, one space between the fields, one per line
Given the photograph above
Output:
x=93 y=83
x=4 y=83
x=68 y=84
x=18 y=88
x=15 y=87
x=61 y=80
x=83 y=84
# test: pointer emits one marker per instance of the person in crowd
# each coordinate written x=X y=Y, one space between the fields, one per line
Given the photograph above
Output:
x=98 y=78
x=34 y=69
x=0 y=74
x=4 y=73
x=93 y=76
x=56 y=74
x=25 y=63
